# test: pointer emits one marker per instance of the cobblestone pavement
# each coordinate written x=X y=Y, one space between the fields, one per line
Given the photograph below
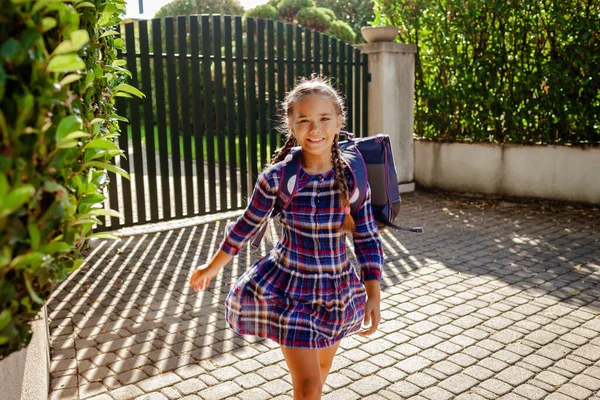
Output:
x=496 y=300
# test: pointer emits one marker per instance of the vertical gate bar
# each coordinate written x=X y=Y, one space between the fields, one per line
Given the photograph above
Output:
x=299 y=63
x=271 y=89
x=161 y=118
x=326 y=56
x=349 y=97
x=240 y=92
x=280 y=71
x=262 y=106
x=365 y=91
x=208 y=112
x=289 y=52
x=307 y=53
x=317 y=52
x=230 y=112
x=198 y=123
x=251 y=90
x=357 y=91
x=148 y=119
x=173 y=116
x=334 y=74
x=220 y=109
x=136 y=134
x=185 y=115
x=342 y=69
x=124 y=163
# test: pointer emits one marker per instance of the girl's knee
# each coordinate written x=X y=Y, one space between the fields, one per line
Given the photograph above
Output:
x=309 y=388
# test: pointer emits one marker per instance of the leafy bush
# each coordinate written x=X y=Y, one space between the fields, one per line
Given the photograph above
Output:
x=265 y=11
x=342 y=31
x=328 y=13
x=356 y=13
x=289 y=8
x=197 y=7
x=313 y=18
x=506 y=72
x=58 y=79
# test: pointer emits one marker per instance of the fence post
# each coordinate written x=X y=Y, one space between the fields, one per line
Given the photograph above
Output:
x=391 y=102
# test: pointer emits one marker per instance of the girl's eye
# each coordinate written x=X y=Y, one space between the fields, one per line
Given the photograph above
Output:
x=303 y=121
x=325 y=119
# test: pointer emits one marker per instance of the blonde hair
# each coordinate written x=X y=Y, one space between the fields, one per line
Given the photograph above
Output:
x=318 y=85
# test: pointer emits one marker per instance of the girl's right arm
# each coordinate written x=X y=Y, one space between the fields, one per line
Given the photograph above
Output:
x=239 y=233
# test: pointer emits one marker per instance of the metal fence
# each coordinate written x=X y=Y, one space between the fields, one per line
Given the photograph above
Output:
x=207 y=125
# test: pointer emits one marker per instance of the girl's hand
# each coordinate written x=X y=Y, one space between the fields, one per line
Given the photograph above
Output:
x=372 y=316
x=202 y=276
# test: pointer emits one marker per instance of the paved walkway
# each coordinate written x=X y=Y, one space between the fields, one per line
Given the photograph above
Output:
x=496 y=300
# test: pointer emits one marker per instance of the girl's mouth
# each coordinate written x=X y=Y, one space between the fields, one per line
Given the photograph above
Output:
x=316 y=140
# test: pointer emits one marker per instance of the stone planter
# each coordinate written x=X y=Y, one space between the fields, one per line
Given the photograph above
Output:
x=374 y=34
x=25 y=374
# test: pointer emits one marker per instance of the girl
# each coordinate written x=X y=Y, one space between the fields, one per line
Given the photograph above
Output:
x=305 y=294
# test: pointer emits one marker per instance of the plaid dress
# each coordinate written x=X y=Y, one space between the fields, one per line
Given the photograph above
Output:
x=304 y=293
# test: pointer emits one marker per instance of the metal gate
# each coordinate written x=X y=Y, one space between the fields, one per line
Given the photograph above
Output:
x=207 y=125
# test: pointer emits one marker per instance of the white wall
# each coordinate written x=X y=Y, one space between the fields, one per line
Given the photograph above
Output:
x=550 y=172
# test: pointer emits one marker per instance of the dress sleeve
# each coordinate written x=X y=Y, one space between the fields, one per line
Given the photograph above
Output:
x=367 y=242
x=259 y=207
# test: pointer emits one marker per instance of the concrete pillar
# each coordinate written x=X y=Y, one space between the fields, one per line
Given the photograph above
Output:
x=391 y=102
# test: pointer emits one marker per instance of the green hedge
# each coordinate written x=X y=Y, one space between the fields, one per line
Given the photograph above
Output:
x=59 y=75
x=503 y=71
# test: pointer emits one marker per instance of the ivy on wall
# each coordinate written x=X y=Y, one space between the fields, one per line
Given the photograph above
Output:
x=59 y=76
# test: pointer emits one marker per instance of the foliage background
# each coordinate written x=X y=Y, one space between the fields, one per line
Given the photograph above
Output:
x=59 y=75
x=505 y=71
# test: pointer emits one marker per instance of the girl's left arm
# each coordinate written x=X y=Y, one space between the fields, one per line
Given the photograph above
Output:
x=367 y=242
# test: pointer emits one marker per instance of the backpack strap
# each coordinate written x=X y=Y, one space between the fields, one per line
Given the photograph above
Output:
x=356 y=164
x=288 y=183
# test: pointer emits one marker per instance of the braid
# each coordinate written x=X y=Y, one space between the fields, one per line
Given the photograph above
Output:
x=285 y=150
x=340 y=179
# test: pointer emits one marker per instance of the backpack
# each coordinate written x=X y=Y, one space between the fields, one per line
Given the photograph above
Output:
x=370 y=159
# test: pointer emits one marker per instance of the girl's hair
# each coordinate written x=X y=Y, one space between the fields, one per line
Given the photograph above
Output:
x=309 y=86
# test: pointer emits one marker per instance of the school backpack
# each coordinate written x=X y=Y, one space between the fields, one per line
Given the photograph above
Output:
x=370 y=159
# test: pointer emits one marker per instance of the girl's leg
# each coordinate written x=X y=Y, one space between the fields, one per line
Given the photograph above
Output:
x=326 y=359
x=306 y=375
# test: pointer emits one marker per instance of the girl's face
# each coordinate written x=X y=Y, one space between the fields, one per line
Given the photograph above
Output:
x=315 y=122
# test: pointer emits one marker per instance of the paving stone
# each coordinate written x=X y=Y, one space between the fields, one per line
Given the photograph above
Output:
x=91 y=390
x=436 y=393
x=404 y=389
x=515 y=375
x=458 y=383
x=589 y=352
x=422 y=380
x=495 y=386
x=369 y=385
x=447 y=368
x=551 y=378
x=530 y=392
x=126 y=392
x=192 y=385
x=254 y=394
x=159 y=381
x=575 y=391
x=413 y=364
x=343 y=393
x=277 y=387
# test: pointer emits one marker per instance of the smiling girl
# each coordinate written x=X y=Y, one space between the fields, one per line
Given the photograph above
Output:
x=305 y=294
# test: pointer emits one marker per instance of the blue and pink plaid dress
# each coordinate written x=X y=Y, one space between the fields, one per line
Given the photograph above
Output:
x=304 y=293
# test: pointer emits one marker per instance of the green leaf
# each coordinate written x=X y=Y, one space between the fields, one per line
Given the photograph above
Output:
x=3 y=185
x=107 y=166
x=32 y=292
x=96 y=121
x=101 y=144
x=16 y=199
x=69 y=79
x=34 y=236
x=81 y=221
x=67 y=125
x=79 y=38
x=75 y=266
x=48 y=23
x=119 y=63
x=5 y=317
x=85 y=4
x=66 y=63
x=108 y=33
x=55 y=247
x=107 y=15
x=106 y=212
x=66 y=144
x=32 y=259
x=103 y=235
x=123 y=94
x=123 y=87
